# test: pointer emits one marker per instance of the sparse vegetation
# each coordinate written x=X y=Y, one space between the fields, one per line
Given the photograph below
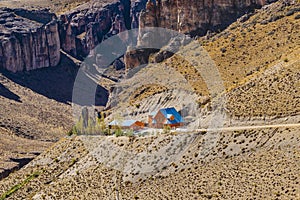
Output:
x=166 y=130
x=258 y=163
x=57 y=6
x=19 y=186
x=90 y=126
x=119 y=132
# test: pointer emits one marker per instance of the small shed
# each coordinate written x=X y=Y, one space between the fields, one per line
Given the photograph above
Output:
x=126 y=124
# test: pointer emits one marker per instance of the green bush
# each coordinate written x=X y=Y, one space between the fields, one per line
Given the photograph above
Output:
x=129 y=133
x=73 y=161
x=119 y=132
x=90 y=126
x=107 y=132
x=167 y=129
x=70 y=132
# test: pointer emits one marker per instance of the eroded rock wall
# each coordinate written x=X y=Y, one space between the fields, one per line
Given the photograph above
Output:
x=192 y=17
x=33 y=39
x=28 y=40
x=83 y=29
x=196 y=17
x=136 y=8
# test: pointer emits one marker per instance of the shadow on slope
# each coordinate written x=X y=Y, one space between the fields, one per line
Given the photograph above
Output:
x=54 y=82
x=4 y=92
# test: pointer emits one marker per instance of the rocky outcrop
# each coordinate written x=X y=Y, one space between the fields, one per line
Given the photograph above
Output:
x=137 y=57
x=83 y=29
x=33 y=39
x=194 y=18
x=136 y=8
x=28 y=40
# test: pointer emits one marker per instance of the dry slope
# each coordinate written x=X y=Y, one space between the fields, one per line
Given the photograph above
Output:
x=242 y=164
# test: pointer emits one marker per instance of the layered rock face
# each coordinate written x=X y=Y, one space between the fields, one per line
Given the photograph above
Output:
x=28 y=40
x=196 y=17
x=33 y=39
x=192 y=17
x=83 y=29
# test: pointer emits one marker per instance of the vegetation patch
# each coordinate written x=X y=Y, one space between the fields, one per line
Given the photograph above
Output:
x=20 y=185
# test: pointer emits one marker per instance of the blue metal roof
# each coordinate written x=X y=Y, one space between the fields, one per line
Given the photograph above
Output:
x=168 y=112
x=122 y=123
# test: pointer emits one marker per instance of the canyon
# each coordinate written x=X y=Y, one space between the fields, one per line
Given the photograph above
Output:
x=256 y=52
x=33 y=39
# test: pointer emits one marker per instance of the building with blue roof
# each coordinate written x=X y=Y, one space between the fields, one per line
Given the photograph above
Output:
x=165 y=117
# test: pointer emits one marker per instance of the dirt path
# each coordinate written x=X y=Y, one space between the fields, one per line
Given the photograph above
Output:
x=238 y=128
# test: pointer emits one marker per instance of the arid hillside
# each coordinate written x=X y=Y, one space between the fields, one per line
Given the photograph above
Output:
x=35 y=106
x=57 y=6
x=242 y=164
x=35 y=112
x=256 y=157
x=256 y=57
x=258 y=60
x=17 y=152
